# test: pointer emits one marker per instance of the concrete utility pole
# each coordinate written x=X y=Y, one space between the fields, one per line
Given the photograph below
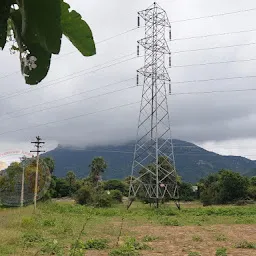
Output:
x=37 y=143
x=22 y=159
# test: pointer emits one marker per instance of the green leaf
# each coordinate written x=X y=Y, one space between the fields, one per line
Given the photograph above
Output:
x=41 y=23
x=33 y=74
x=4 y=15
x=77 y=30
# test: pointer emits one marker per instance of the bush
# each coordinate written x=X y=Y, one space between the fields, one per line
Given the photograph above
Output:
x=246 y=245
x=102 y=200
x=84 y=195
x=96 y=244
x=221 y=252
x=116 y=195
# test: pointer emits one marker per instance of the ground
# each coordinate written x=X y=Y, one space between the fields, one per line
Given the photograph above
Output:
x=195 y=230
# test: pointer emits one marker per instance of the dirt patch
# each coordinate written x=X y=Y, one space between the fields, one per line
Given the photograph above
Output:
x=205 y=240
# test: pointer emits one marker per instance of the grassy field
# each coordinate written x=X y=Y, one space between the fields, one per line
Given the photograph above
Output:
x=63 y=228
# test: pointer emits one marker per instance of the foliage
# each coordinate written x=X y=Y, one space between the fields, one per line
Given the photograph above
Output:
x=221 y=252
x=131 y=247
x=223 y=187
x=186 y=192
x=194 y=254
x=97 y=167
x=116 y=185
x=37 y=27
x=96 y=244
x=149 y=238
x=71 y=180
x=84 y=196
x=246 y=245
x=116 y=195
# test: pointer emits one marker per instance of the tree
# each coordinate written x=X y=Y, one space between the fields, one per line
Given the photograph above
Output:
x=36 y=28
x=98 y=166
x=71 y=180
x=233 y=186
x=50 y=163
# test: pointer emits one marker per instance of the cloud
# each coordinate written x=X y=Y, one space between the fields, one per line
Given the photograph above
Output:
x=201 y=118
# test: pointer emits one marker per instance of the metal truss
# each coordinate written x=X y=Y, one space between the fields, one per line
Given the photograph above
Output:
x=153 y=172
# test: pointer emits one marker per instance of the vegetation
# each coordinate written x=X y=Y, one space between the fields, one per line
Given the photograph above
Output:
x=35 y=30
x=62 y=228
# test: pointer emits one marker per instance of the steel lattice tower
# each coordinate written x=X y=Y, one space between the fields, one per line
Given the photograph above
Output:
x=153 y=171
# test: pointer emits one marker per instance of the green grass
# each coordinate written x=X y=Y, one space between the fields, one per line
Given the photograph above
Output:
x=56 y=227
x=221 y=252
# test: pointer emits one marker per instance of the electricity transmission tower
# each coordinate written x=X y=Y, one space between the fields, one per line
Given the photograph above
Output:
x=37 y=143
x=153 y=172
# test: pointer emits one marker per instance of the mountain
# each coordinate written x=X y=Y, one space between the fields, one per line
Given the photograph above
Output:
x=192 y=162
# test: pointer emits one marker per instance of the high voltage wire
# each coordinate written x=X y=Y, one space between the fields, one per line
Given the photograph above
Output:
x=212 y=63
x=211 y=92
x=68 y=97
x=213 y=79
x=104 y=94
x=73 y=102
x=213 y=48
x=211 y=35
x=70 y=118
x=214 y=15
x=61 y=56
x=70 y=78
x=104 y=110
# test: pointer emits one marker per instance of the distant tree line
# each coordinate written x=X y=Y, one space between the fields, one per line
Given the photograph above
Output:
x=223 y=187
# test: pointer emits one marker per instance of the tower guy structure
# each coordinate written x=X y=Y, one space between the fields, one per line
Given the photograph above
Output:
x=153 y=172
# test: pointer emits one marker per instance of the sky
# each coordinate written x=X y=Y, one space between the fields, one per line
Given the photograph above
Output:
x=88 y=101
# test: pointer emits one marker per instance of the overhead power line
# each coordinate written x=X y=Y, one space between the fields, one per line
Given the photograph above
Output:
x=73 y=102
x=212 y=63
x=69 y=77
x=70 y=118
x=213 y=48
x=215 y=15
x=213 y=79
x=212 y=35
x=67 y=97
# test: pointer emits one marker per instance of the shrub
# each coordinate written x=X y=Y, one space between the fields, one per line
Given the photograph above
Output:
x=221 y=252
x=116 y=195
x=96 y=244
x=197 y=239
x=52 y=248
x=194 y=254
x=102 y=200
x=221 y=237
x=84 y=195
x=246 y=245
x=148 y=238
x=124 y=251
x=32 y=238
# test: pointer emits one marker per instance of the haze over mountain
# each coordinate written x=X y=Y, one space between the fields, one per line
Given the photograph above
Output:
x=192 y=162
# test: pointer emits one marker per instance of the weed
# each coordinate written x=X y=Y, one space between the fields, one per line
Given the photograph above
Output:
x=148 y=238
x=132 y=243
x=194 y=254
x=221 y=252
x=49 y=223
x=246 y=245
x=124 y=251
x=221 y=237
x=96 y=244
x=52 y=248
x=197 y=238
x=169 y=222
x=28 y=222
x=31 y=238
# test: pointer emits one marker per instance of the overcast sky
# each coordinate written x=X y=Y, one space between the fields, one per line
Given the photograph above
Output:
x=221 y=122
